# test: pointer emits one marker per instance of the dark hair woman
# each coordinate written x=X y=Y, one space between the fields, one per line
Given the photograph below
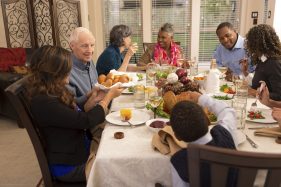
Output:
x=111 y=57
x=264 y=47
x=165 y=50
x=62 y=124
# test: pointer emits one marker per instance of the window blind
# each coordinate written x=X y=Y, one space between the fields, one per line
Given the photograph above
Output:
x=126 y=12
x=176 y=12
x=212 y=13
x=265 y=15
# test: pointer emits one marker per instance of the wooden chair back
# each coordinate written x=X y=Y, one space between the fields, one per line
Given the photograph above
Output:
x=17 y=94
x=220 y=160
x=147 y=45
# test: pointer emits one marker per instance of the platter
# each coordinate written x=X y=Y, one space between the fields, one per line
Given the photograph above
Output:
x=139 y=117
x=266 y=113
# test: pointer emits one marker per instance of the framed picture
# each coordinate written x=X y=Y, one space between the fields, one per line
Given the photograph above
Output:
x=255 y=14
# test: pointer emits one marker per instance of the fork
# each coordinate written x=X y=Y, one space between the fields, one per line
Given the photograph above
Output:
x=130 y=124
x=254 y=105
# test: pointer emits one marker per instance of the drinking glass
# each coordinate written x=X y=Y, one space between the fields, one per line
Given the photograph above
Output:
x=193 y=66
x=239 y=105
x=241 y=88
x=139 y=96
x=151 y=69
x=223 y=70
x=155 y=99
x=125 y=114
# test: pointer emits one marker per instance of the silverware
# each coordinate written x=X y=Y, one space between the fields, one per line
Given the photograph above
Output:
x=262 y=127
x=254 y=105
x=130 y=124
x=253 y=144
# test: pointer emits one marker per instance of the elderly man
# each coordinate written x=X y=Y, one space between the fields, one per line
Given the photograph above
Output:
x=230 y=53
x=83 y=75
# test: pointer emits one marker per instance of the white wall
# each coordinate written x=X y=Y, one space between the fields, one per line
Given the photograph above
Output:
x=96 y=25
x=277 y=14
x=3 y=42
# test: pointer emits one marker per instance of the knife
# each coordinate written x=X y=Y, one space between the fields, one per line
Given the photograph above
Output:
x=253 y=144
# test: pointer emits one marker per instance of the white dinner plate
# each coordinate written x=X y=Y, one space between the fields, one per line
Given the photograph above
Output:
x=156 y=119
x=266 y=113
x=138 y=117
x=126 y=91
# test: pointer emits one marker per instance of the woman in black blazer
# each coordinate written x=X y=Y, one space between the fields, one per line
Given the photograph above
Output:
x=62 y=123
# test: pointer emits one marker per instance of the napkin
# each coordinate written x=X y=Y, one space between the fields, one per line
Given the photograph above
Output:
x=274 y=132
x=166 y=142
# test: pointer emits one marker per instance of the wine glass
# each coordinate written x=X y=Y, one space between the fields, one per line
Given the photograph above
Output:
x=151 y=69
x=155 y=99
x=223 y=70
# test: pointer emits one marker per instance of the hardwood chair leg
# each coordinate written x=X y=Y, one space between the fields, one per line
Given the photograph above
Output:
x=40 y=182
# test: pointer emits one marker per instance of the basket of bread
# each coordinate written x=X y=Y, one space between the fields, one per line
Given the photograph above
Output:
x=114 y=78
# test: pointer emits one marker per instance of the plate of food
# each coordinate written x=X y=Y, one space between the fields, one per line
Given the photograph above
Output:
x=137 y=117
x=105 y=82
x=156 y=124
x=211 y=116
x=129 y=90
x=226 y=88
x=260 y=115
x=222 y=96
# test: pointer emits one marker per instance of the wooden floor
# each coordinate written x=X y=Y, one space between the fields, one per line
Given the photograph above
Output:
x=18 y=163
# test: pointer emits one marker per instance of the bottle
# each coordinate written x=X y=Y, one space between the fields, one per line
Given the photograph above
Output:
x=213 y=78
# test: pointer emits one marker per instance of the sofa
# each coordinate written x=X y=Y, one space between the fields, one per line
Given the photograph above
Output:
x=13 y=66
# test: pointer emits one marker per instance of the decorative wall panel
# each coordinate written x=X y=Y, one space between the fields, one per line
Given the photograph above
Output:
x=68 y=17
x=18 y=23
x=43 y=23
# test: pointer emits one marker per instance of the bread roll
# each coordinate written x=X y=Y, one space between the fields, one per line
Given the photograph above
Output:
x=110 y=76
x=107 y=83
x=101 y=78
x=123 y=79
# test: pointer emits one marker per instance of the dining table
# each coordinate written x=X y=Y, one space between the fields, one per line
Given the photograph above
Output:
x=133 y=161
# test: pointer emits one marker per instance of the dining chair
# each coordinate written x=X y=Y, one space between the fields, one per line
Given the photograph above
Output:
x=17 y=94
x=148 y=44
x=220 y=160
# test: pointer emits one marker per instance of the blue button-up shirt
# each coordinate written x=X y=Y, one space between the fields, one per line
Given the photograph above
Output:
x=230 y=57
x=83 y=77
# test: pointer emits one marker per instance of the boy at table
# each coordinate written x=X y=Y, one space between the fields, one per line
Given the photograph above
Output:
x=190 y=124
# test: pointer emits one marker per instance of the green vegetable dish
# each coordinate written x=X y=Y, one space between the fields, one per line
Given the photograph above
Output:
x=222 y=97
x=131 y=89
x=159 y=110
x=212 y=117
x=140 y=76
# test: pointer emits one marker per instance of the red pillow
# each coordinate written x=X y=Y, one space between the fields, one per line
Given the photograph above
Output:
x=11 y=57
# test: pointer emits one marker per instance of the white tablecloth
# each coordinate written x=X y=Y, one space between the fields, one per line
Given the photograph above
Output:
x=131 y=161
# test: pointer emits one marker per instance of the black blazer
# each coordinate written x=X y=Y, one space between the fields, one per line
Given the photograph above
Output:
x=64 y=128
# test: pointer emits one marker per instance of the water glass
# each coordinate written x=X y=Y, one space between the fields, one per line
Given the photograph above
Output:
x=241 y=88
x=139 y=96
x=239 y=105
x=193 y=67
